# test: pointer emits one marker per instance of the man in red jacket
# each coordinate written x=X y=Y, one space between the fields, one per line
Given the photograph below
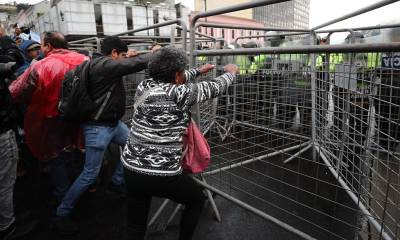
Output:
x=38 y=90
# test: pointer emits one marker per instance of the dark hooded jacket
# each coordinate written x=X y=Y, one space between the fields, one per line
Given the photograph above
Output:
x=9 y=52
x=27 y=60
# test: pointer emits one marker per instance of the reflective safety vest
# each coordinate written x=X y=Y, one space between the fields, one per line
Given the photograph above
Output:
x=334 y=58
x=258 y=63
x=374 y=60
x=202 y=59
x=244 y=63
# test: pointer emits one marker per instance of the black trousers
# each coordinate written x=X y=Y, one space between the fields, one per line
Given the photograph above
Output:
x=180 y=188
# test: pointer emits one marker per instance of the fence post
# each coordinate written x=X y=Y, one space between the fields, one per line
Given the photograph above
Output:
x=313 y=96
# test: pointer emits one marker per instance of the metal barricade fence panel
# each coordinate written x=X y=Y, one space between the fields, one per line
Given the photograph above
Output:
x=358 y=114
x=260 y=138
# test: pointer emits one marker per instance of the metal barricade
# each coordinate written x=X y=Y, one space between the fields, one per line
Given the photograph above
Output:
x=307 y=137
x=262 y=139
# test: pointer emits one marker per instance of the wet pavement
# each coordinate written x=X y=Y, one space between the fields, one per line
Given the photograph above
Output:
x=101 y=216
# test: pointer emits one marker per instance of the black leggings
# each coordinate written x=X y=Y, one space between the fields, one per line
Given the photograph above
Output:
x=180 y=188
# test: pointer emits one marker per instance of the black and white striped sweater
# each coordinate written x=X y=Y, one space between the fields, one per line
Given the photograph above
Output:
x=155 y=145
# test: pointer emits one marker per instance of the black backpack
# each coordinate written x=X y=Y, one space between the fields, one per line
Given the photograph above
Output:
x=75 y=104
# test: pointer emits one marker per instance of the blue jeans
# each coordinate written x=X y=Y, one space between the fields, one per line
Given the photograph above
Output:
x=97 y=138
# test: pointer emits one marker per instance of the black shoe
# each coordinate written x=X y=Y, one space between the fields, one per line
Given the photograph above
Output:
x=117 y=190
x=7 y=233
x=65 y=226
x=15 y=231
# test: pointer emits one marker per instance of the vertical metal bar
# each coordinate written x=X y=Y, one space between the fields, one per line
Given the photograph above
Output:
x=183 y=26
x=313 y=96
x=98 y=44
x=172 y=36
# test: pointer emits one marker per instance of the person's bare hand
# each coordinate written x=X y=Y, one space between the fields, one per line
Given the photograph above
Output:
x=231 y=68
x=131 y=53
x=206 y=68
x=155 y=48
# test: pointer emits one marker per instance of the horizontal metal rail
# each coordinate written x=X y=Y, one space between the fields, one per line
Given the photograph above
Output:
x=84 y=40
x=230 y=26
x=341 y=48
x=259 y=158
x=356 y=13
x=271 y=35
x=359 y=28
x=255 y=211
x=158 y=25
x=271 y=129
x=198 y=33
x=234 y=8
x=163 y=24
x=145 y=37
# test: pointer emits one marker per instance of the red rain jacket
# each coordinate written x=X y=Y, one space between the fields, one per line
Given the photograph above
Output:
x=38 y=88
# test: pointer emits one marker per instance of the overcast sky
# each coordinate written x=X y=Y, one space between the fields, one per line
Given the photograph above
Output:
x=325 y=10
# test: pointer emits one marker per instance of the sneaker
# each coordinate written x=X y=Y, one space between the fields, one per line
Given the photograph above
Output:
x=65 y=226
x=117 y=190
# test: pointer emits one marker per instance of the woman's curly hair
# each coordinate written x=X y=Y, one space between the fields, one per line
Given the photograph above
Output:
x=165 y=63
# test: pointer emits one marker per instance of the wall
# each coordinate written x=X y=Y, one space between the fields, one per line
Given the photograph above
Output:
x=78 y=17
x=231 y=34
x=199 y=5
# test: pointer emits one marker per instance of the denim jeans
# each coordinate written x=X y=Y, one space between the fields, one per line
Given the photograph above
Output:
x=8 y=173
x=97 y=138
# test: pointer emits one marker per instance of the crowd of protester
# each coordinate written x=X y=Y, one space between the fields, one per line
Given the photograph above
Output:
x=31 y=80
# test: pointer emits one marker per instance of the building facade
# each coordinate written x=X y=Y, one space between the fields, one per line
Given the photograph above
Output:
x=81 y=18
x=292 y=14
x=230 y=35
x=8 y=14
x=206 y=5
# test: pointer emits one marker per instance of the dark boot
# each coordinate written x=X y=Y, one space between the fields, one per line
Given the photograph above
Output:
x=15 y=231
x=65 y=226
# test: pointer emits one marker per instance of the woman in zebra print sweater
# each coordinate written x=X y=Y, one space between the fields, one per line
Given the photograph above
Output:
x=153 y=153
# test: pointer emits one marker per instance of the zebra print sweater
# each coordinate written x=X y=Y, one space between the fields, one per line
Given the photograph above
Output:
x=160 y=119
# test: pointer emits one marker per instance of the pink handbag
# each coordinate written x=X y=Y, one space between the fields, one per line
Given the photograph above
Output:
x=197 y=152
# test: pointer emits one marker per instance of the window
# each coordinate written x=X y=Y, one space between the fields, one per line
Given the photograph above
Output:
x=129 y=19
x=178 y=15
x=99 y=19
x=212 y=32
x=233 y=34
x=223 y=33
